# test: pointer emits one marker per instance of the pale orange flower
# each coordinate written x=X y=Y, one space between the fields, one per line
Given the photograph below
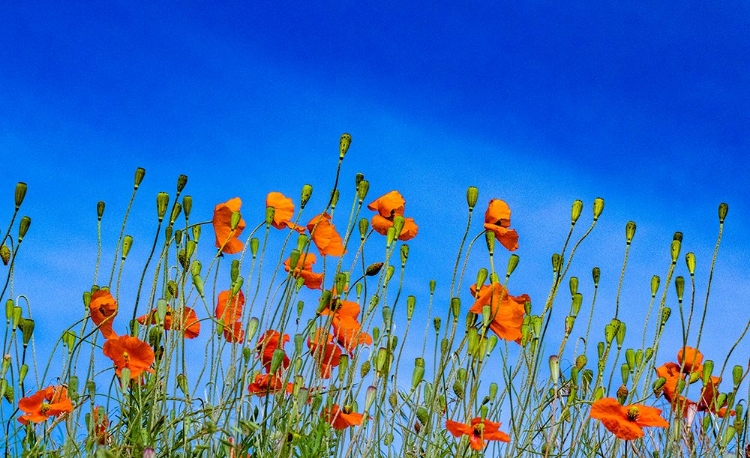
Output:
x=478 y=430
x=497 y=220
x=283 y=211
x=506 y=311
x=103 y=309
x=691 y=360
x=324 y=235
x=269 y=384
x=348 y=333
x=130 y=352
x=229 y=308
x=626 y=422
x=269 y=342
x=227 y=239
x=304 y=270
x=188 y=323
x=388 y=207
x=342 y=418
x=49 y=402
x=327 y=355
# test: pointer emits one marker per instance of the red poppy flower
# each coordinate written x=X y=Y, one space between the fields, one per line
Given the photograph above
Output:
x=340 y=308
x=507 y=311
x=388 y=207
x=497 y=220
x=342 y=418
x=229 y=308
x=304 y=270
x=348 y=333
x=188 y=323
x=130 y=352
x=626 y=422
x=227 y=239
x=478 y=431
x=671 y=373
x=283 y=211
x=268 y=384
x=100 y=423
x=233 y=333
x=49 y=402
x=269 y=342
x=690 y=359
x=324 y=235
x=327 y=355
x=103 y=309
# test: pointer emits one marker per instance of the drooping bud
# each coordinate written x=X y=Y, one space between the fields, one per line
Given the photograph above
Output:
x=69 y=339
x=5 y=254
x=723 y=209
x=21 y=188
x=252 y=328
x=581 y=361
x=196 y=230
x=181 y=182
x=237 y=285
x=140 y=172
x=629 y=232
x=610 y=330
x=472 y=194
x=23 y=227
x=344 y=142
x=512 y=264
x=598 y=207
x=27 y=329
x=24 y=369
x=307 y=191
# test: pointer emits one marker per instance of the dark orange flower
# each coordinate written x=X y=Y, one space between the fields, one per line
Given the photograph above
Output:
x=348 y=333
x=100 y=423
x=478 y=431
x=283 y=211
x=229 y=308
x=626 y=422
x=269 y=384
x=188 y=323
x=227 y=239
x=130 y=352
x=671 y=373
x=233 y=333
x=304 y=270
x=49 y=402
x=103 y=309
x=327 y=355
x=269 y=342
x=497 y=220
x=342 y=418
x=388 y=207
x=338 y=307
x=324 y=235
x=507 y=311
x=691 y=360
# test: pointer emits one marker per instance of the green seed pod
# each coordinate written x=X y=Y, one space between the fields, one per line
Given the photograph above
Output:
x=177 y=237
x=307 y=191
x=125 y=379
x=364 y=226
x=344 y=142
x=665 y=313
x=444 y=346
x=418 y=375
x=252 y=327
x=17 y=313
x=473 y=341
x=187 y=206
x=140 y=172
x=381 y=361
x=581 y=361
x=554 y=368
x=182 y=384
x=676 y=246
x=21 y=188
x=432 y=286
x=436 y=324
x=362 y=188
x=573 y=283
x=708 y=369
x=390 y=236
x=556 y=262
x=23 y=227
x=489 y=238
x=198 y=283
x=392 y=345
x=458 y=389
x=649 y=353
x=22 y=373
x=422 y=415
x=127 y=243
x=472 y=194
x=99 y=210
x=481 y=278
x=598 y=393
x=575 y=212
x=493 y=391
x=630 y=359
x=654 y=285
x=620 y=333
x=27 y=329
x=629 y=232
x=234 y=271
x=73 y=387
x=679 y=284
x=270 y=212
x=376 y=334
x=254 y=245
x=491 y=343
x=404 y=254
x=737 y=375
x=196 y=230
x=168 y=233
x=293 y=260
x=512 y=264
x=625 y=373
x=10 y=306
x=5 y=254
x=596 y=275
x=364 y=369
x=598 y=207
x=638 y=358
x=600 y=349
x=455 y=307
x=575 y=307
x=723 y=209
x=411 y=303
x=162 y=202
x=569 y=322
x=690 y=261
x=276 y=360
x=236 y=286
x=176 y=209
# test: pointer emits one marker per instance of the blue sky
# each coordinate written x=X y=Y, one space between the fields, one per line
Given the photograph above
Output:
x=538 y=103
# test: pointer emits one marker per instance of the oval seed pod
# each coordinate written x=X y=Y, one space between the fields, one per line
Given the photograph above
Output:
x=307 y=191
x=140 y=173
x=344 y=142
x=723 y=210
x=23 y=227
x=629 y=232
x=362 y=188
x=598 y=207
x=162 y=202
x=100 y=210
x=411 y=303
x=573 y=284
x=655 y=280
x=187 y=206
x=472 y=195
x=512 y=264
x=690 y=261
x=596 y=275
x=679 y=284
x=21 y=188
x=575 y=211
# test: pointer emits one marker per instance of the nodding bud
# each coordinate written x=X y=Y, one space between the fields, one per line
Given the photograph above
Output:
x=162 y=201
x=27 y=329
x=176 y=209
x=554 y=368
x=556 y=262
x=665 y=313
x=364 y=225
x=690 y=261
x=254 y=245
x=411 y=304
x=629 y=232
x=127 y=243
x=596 y=273
x=181 y=182
x=573 y=283
x=512 y=264
x=140 y=172
x=472 y=194
x=307 y=190
x=5 y=254
x=187 y=206
x=362 y=188
x=655 y=280
x=598 y=207
x=679 y=284
x=575 y=307
x=334 y=198
x=575 y=212
x=723 y=209
x=344 y=143
x=99 y=210
x=21 y=188
x=489 y=237
x=23 y=227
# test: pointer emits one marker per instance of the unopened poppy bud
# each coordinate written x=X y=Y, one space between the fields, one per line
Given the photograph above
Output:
x=491 y=343
x=307 y=190
x=364 y=369
x=694 y=377
x=458 y=389
x=411 y=303
x=343 y=367
x=386 y=317
x=168 y=233
x=324 y=302
x=472 y=338
x=196 y=230
x=381 y=360
x=176 y=209
x=161 y=310
x=364 y=226
x=422 y=415
x=525 y=333
x=665 y=313
x=362 y=188
x=254 y=245
x=27 y=329
x=162 y=202
x=182 y=384
x=481 y=278
x=17 y=312
x=99 y=210
x=234 y=270
x=237 y=285
x=728 y=435
x=69 y=339
x=187 y=206
x=690 y=261
x=9 y=307
x=708 y=368
x=91 y=388
x=569 y=322
x=373 y=269
x=675 y=250
x=472 y=194
x=252 y=328
x=512 y=264
x=444 y=345
x=630 y=359
x=390 y=236
x=276 y=360
x=125 y=379
x=489 y=238
x=737 y=375
x=575 y=212
x=270 y=211
x=625 y=373
x=723 y=209
x=573 y=283
x=23 y=227
x=455 y=307
x=432 y=285
x=610 y=330
x=598 y=393
x=22 y=373
x=598 y=207
x=21 y=188
x=638 y=358
x=198 y=283
x=655 y=280
x=575 y=306
x=181 y=182
x=73 y=387
x=344 y=143
x=595 y=275
x=581 y=361
x=140 y=172
x=600 y=348
x=127 y=243
x=392 y=344
x=436 y=324
x=418 y=374
x=300 y=304
x=629 y=232
x=620 y=333
x=486 y=317
x=178 y=237
x=679 y=284
x=536 y=325
x=404 y=254
x=389 y=271
x=341 y=282
x=622 y=393
x=556 y=262
x=5 y=254
x=554 y=368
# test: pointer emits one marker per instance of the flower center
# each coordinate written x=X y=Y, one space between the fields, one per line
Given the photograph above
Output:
x=44 y=408
x=479 y=430
x=633 y=413
x=126 y=357
x=347 y=409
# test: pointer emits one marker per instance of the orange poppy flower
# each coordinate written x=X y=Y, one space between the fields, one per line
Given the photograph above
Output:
x=283 y=211
x=130 y=352
x=388 y=207
x=338 y=307
x=233 y=333
x=304 y=270
x=478 y=431
x=268 y=384
x=671 y=373
x=348 y=333
x=227 y=239
x=342 y=418
x=507 y=311
x=188 y=323
x=323 y=234
x=497 y=220
x=103 y=309
x=327 y=355
x=100 y=423
x=626 y=422
x=49 y=402
x=269 y=342
x=229 y=308
x=691 y=360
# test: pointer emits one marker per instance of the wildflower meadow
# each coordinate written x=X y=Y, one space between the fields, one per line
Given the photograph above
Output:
x=289 y=330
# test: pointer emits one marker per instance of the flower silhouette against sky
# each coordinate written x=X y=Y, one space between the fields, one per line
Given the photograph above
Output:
x=227 y=239
x=324 y=235
x=388 y=207
x=103 y=309
x=283 y=211
x=497 y=220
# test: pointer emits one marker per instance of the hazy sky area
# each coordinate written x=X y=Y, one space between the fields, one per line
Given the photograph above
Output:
x=536 y=103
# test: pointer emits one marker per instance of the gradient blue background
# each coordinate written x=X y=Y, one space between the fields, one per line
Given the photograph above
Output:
x=536 y=103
